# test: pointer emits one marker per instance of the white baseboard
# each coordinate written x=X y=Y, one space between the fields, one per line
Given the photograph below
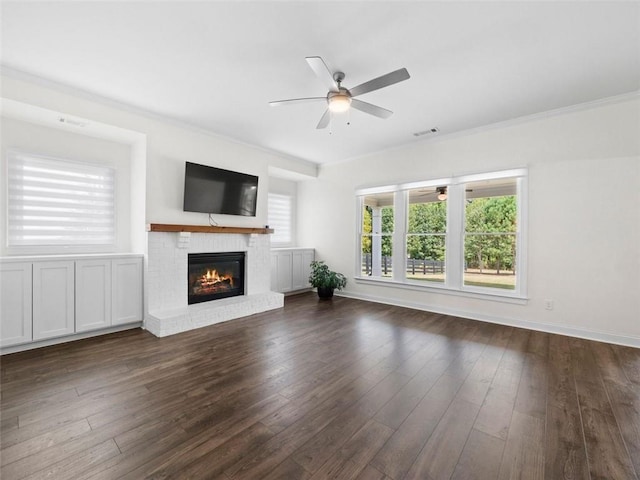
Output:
x=569 y=331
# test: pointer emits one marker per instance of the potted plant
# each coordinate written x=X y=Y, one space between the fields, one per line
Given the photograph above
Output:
x=325 y=280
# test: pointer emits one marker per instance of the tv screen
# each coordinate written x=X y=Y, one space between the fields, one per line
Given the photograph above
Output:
x=214 y=190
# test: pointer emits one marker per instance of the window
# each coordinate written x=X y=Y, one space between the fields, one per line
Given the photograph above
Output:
x=376 y=237
x=280 y=218
x=427 y=234
x=54 y=202
x=490 y=233
x=461 y=233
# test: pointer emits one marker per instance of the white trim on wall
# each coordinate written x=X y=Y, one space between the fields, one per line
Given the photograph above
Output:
x=570 y=331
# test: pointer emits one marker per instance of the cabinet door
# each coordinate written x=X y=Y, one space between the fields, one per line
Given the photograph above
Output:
x=308 y=257
x=297 y=270
x=93 y=294
x=15 y=304
x=127 y=291
x=284 y=272
x=53 y=299
x=274 y=272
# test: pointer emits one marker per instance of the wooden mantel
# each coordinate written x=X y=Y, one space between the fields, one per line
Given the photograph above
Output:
x=163 y=227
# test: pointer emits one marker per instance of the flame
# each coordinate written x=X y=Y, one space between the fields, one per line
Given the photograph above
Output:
x=212 y=277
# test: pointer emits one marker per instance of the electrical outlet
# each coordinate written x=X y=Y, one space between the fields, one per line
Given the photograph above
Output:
x=548 y=304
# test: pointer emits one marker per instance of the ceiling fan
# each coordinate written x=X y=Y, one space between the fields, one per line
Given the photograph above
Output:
x=441 y=193
x=340 y=99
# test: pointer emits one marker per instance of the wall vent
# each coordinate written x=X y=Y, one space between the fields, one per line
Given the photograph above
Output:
x=72 y=121
x=431 y=131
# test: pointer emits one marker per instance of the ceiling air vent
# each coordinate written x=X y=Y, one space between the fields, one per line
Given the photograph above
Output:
x=72 y=121
x=431 y=131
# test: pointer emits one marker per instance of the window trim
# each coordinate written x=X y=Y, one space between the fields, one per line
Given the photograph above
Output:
x=454 y=253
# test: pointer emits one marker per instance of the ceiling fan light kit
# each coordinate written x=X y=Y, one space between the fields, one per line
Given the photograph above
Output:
x=338 y=102
x=340 y=99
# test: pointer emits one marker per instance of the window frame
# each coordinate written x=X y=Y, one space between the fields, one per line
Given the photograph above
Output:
x=455 y=233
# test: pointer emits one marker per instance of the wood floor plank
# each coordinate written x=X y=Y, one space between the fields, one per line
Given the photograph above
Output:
x=77 y=465
x=345 y=389
x=211 y=457
x=523 y=455
x=606 y=450
x=217 y=430
x=532 y=392
x=288 y=470
x=45 y=440
x=370 y=473
x=268 y=456
x=565 y=454
x=398 y=454
x=480 y=458
x=317 y=451
x=353 y=457
x=439 y=457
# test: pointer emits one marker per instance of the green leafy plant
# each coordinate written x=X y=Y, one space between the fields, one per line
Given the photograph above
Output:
x=322 y=277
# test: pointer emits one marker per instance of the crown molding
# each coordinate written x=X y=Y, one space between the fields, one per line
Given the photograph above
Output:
x=624 y=97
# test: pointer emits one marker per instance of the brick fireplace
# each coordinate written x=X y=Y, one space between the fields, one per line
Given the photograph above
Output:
x=169 y=307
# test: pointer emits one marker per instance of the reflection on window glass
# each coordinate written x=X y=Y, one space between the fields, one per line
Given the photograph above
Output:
x=426 y=234
x=490 y=234
x=376 y=239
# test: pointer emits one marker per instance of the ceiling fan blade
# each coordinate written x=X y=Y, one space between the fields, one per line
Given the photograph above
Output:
x=324 y=120
x=322 y=72
x=370 y=109
x=380 y=82
x=293 y=101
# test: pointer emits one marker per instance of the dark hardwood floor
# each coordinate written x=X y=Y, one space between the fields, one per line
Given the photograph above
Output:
x=338 y=389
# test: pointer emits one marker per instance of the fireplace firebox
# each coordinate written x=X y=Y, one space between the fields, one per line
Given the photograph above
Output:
x=215 y=275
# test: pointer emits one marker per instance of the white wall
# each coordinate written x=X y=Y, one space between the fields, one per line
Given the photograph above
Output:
x=584 y=217
x=38 y=139
x=168 y=147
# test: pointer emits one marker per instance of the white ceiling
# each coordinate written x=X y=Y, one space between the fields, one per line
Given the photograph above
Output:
x=216 y=65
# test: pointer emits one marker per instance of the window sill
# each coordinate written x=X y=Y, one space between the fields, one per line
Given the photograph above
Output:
x=476 y=293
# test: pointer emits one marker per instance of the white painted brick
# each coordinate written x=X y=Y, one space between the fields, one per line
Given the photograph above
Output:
x=167 y=281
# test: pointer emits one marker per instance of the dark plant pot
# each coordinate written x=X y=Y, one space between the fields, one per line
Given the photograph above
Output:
x=325 y=292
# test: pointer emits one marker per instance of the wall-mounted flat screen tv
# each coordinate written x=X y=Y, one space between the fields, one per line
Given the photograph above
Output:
x=214 y=190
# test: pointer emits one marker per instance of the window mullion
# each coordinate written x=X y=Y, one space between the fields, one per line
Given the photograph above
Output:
x=455 y=229
x=400 y=236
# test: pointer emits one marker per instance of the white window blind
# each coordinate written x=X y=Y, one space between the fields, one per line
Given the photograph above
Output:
x=280 y=213
x=59 y=202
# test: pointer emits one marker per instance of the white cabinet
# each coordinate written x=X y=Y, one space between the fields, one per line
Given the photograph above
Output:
x=46 y=298
x=290 y=269
x=126 y=289
x=108 y=293
x=93 y=294
x=53 y=299
x=284 y=273
x=301 y=268
x=15 y=304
